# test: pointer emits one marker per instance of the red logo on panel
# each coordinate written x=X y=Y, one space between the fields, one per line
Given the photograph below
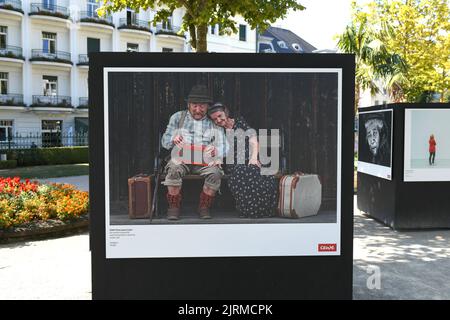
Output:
x=327 y=247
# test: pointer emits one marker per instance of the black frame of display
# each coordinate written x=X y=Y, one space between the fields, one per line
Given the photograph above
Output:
x=398 y=204
x=310 y=277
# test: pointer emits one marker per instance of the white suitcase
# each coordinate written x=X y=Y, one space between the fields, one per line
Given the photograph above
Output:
x=300 y=195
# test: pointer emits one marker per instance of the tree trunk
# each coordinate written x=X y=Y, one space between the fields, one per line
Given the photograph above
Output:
x=202 y=32
x=193 y=35
x=357 y=96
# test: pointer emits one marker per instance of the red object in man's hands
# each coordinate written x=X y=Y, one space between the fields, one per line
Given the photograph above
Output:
x=194 y=150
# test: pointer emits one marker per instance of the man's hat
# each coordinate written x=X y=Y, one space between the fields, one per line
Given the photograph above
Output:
x=199 y=94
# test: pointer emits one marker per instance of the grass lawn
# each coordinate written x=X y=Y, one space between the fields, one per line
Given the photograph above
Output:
x=42 y=172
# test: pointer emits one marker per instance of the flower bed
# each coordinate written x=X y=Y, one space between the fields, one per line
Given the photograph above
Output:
x=26 y=201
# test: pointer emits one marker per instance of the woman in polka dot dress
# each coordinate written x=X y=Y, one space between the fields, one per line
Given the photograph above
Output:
x=255 y=194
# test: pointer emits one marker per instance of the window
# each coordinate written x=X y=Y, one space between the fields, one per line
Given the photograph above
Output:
x=50 y=84
x=49 y=4
x=265 y=48
x=48 y=42
x=92 y=6
x=3 y=34
x=131 y=17
x=213 y=29
x=282 y=44
x=51 y=133
x=6 y=129
x=242 y=32
x=3 y=82
x=132 y=47
x=297 y=47
x=167 y=49
x=93 y=45
x=167 y=24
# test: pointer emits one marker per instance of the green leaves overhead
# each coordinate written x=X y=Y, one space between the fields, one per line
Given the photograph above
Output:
x=417 y=31
x=203 y=13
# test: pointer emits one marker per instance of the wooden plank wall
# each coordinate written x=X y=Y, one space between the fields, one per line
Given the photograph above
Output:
x=303 y=106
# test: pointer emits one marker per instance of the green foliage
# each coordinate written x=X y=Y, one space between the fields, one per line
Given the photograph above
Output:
x=374 y=61
x=419 y=32
x=95 y=20
x=10 y=7
x=199 y=14
x=50 y=156
x=51 y=14
x=8 y=164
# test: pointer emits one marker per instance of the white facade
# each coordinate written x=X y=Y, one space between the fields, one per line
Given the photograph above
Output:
x=234 y=42
x=44 y=66
x=368 y=100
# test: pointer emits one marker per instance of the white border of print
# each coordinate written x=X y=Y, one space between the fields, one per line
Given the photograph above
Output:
x=375 y=169
x=417 y=175
x=222 y=240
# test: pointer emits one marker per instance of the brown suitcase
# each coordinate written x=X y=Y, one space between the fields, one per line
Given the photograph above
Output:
x=139 y=197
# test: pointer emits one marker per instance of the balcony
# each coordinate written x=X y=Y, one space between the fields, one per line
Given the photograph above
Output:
x=134 y=24
x=93 y=17
x=83 y=103
x=11 y=52
x=41 y=9
x=83 y=60
x=57 y=56
x=52 y=102
x=12 y=5
x=15 y=100
x=168 y=29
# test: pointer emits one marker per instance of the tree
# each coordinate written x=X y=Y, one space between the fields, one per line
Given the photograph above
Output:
x=374 y=62
x=422 y=38
x=199 y=14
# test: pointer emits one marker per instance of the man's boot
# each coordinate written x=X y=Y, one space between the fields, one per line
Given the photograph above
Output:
x=206 y=202
x=174 y=201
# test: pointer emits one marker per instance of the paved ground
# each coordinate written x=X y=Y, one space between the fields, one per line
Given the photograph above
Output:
x=49 y=269
x=411 y=265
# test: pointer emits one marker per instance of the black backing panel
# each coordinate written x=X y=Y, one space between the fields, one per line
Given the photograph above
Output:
x=404 y=205
x=219 y=278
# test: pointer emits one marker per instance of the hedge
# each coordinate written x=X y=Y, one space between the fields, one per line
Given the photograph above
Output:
x=8 y=164
x=49 y=156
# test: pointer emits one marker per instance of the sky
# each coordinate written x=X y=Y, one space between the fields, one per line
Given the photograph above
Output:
x=321 y=20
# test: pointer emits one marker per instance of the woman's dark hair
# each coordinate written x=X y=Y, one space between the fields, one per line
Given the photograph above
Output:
x=218 y=106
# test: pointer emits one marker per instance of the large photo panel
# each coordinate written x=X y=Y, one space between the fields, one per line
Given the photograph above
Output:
x=275 y=194
x=375 y=143
x=427 y=145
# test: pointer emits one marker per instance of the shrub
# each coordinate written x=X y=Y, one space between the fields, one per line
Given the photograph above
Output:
x=50 y=156
x=8 y=164
x=24 y=201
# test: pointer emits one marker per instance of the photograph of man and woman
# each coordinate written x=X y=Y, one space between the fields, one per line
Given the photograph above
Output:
x=217 y=144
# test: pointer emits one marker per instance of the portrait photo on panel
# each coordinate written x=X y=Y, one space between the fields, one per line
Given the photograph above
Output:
x=375 y=143
x=225 y=155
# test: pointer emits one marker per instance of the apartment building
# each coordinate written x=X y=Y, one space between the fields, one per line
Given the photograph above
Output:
x=44 y=64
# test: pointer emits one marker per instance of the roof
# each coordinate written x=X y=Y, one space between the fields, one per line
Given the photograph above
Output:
x=290 y=39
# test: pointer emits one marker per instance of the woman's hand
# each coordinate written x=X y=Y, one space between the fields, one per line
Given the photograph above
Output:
x=217 y=163
x=254 y=162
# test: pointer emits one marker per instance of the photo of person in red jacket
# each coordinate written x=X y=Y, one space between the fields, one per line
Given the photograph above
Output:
x=432 y=149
